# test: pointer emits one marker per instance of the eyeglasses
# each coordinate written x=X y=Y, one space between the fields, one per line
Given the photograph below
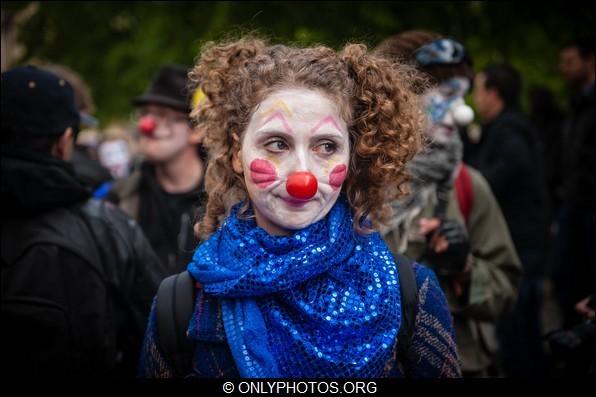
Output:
x=147 y=122
x=167 y=117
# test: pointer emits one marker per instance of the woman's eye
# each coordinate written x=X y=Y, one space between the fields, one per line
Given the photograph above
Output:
x=326 y=148
x=276 y=146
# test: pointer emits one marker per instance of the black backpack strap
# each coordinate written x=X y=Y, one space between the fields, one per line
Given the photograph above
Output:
x=174 y=306
x=409 y=303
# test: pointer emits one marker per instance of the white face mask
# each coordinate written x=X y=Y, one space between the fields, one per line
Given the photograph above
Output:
x=114 y=155
x=294 y=130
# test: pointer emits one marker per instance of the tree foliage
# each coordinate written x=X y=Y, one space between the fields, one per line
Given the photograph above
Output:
x=118 y=46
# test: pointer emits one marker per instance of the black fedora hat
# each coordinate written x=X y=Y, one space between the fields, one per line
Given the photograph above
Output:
x=168 y=88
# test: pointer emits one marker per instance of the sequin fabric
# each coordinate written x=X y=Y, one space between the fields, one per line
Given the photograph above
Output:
x=433 y=342
x=323 y=302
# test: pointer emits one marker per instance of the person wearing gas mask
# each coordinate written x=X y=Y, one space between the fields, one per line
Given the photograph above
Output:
x=164 y=193
x=451 y=221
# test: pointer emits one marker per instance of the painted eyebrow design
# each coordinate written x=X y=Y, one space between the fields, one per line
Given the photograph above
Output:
x=278 y=104
x=278 y=115
x=326 y=120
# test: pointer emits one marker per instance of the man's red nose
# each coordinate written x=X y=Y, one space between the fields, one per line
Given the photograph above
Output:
x=302 y=185
x=147 y=125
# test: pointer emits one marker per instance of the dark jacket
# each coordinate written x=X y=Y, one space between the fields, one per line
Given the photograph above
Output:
x=166 y=219
x=508 y=158
x=579 y=151
x=89 y=171
x=77 y=275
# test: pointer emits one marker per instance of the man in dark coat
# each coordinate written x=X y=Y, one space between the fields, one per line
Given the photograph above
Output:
x=78 y=275
x=508 y=157
x=574 y=276
x=164 y=194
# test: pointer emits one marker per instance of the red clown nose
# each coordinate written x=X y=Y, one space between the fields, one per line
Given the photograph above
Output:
x=147 y=125
x=302 y=185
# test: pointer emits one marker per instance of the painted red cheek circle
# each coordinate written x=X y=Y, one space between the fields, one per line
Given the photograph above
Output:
x=302 y=185
x=338 y=176
x=262 y=173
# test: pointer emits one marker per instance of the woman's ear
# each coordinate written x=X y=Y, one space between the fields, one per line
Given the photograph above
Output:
x=196 y=136
x=236 y=162
x=237 y=156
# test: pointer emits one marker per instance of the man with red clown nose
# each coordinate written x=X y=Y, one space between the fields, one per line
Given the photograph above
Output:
x=164 y=192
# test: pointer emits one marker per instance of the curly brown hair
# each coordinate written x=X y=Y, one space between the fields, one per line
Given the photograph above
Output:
x=384 y=117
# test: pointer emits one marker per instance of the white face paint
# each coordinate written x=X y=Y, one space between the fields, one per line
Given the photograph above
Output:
x=170 y=137
x=115 y=156
x=447 y=109
x=293 y=130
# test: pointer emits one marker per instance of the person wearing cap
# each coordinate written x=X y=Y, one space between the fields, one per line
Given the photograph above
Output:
x=164 y=193
x=84 y=156
x=451 y=221
x=77 y=274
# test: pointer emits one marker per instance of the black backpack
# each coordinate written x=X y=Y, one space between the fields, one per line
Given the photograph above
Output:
x=175 y=302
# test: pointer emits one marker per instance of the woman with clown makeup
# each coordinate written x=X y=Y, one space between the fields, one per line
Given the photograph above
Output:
x=450 y=221
x=306 y=146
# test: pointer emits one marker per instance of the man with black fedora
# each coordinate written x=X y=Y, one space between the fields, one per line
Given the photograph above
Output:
x=78 y=276
x=165 y=191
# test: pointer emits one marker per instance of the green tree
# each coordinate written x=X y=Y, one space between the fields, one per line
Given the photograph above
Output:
x=117 y=46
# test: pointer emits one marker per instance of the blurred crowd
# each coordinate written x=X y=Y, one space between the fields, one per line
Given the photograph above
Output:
x=501 y=208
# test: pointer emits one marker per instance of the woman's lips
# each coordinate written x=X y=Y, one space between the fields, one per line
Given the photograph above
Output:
x=295 y=202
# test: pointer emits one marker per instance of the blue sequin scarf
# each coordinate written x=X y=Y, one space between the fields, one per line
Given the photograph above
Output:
x=323 y=302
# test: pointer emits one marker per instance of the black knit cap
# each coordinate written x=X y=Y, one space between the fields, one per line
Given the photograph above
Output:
x=37 y=102
x=168 y=88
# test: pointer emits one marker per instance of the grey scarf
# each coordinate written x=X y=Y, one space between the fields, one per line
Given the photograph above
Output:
x=434 y=169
